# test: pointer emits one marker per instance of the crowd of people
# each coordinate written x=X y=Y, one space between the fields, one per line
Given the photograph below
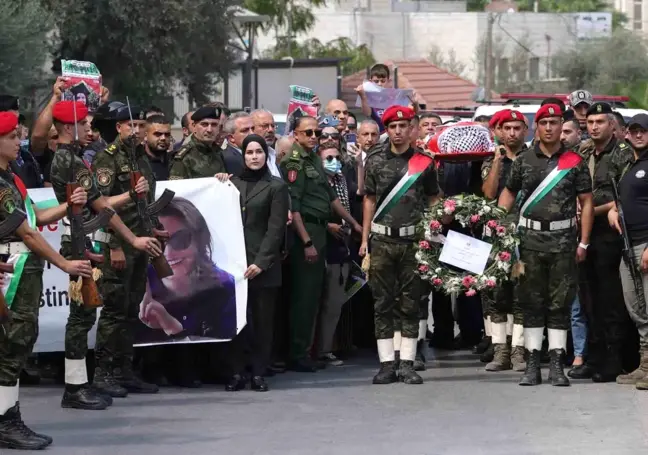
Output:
x=314 y=206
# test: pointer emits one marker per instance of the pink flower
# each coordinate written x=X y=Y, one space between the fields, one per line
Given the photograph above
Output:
x=435 y=226
x=501 y=230
x=490 y=283
x=505 y=256
x=424 y=245
x=468 y=281
x=471 y=292
x=449 y=207
x=437 y=282
x=475 y=219
x=492 y=224
x=423 y=268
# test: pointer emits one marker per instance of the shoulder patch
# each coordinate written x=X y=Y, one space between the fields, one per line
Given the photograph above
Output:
x=294 y=155
x=112 y=148
x=291 y=165
x=485 y=171
x=7 y=201
x=104 y=176
x=181 y=153
x=84 y=178
x=623 y=145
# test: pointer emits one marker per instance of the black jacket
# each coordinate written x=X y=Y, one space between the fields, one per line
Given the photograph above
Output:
x=233 y=161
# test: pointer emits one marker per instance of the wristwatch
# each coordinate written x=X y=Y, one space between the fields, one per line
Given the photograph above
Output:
x=583 y=246
x=308 y=244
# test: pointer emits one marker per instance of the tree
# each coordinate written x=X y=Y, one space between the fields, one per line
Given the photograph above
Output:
x=143 y=50
x=286 y=15
x=575 y=6
x=448 y=62
x=25 y=26
x=357 y=57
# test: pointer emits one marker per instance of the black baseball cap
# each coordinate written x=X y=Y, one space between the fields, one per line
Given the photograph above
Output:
x=640 y=120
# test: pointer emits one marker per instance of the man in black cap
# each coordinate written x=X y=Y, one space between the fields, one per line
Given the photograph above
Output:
x=633 y=193
x=580 y=101
x=606 y=157
x=200 y=157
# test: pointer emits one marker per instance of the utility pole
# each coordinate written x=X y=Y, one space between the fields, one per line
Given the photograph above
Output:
x=489 y=57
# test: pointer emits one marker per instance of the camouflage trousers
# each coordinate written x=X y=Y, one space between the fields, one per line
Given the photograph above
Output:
x=547 y=289
x=17 y=344
x=123 y=291
x=424 y=301
x=505 y=303
x=396 y=288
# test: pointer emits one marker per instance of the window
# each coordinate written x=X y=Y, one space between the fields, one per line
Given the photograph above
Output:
x=502 y=71
x=637 y=16
x=534 y=68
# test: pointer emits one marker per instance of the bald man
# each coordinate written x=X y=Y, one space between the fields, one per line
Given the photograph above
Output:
x=339 y=110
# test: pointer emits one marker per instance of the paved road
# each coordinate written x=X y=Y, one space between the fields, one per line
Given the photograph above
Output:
x=459 y=410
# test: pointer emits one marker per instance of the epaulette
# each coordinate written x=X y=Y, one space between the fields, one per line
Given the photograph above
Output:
x=294 y=155
x=111 y=149
x=181 y=153
x=623 y=145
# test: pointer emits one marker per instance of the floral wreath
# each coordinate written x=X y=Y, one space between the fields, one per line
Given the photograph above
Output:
x=477 y=214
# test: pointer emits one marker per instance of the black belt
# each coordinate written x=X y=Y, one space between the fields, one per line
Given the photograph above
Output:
x=313 y=220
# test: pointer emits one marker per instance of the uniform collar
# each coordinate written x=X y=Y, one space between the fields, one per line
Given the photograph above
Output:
x=538 y=152
x=391 y=152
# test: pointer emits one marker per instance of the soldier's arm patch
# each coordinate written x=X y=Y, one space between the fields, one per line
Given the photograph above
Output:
x=7 y=201
x=293 y=166
x=292 y=175
x=84 y=178
x=104 y=176
x=125 y=168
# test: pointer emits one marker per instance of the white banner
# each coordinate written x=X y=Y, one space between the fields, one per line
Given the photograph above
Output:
x=204 y=300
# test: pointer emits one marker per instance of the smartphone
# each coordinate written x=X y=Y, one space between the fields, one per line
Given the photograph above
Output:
x=351 y=138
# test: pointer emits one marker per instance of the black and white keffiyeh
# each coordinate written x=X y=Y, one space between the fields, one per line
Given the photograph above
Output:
x=464 y=137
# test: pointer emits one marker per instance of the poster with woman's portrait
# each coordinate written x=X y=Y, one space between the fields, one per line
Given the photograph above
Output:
x=205 y=298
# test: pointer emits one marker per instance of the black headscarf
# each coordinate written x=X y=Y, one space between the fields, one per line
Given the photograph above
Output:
x=250 y=175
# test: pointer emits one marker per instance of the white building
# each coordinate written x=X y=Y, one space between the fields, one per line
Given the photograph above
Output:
x=636 y=11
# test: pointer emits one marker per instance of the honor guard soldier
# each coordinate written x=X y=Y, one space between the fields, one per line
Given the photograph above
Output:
x=550 y=180
x=392 y=274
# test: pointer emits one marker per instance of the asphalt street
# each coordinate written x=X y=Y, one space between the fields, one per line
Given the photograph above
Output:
x=460 y=409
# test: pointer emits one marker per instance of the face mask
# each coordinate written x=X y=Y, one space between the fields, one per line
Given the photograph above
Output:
x=333 y=166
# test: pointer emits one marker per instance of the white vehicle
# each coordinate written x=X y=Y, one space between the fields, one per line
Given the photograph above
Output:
x=280 y=123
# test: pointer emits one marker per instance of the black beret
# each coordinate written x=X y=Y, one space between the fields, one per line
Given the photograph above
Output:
x=206 y=112
x=599 y=108
x=9 y=103
x=137 y=112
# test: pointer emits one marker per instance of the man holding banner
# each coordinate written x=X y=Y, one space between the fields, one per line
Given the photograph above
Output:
x=399 y=184
x=550 y=179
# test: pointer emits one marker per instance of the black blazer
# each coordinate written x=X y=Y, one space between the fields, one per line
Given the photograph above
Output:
x=264 y=211
x=233 y=160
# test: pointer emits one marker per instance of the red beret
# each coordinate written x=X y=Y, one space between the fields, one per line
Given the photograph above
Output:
x=64 y=111
x=8 y=122
x=548 y=110
x=397 y=113
x=495 y=119
x=511 y=116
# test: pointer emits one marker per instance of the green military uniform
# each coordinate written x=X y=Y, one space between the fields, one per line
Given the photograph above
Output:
x=123 y=289
x=197 y=159
x=601 y=291
x=17 y=344
x=311 y=196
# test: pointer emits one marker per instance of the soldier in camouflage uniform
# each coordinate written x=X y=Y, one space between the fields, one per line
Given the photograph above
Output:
x=200 y=157
x=606 y=158
x=78 y=394
x=506 y=319
x=392 y=275
x=124 y=272
x=26 y=246
x=550 y=180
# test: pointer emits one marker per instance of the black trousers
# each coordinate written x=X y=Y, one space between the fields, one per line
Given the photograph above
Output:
x=253 y=346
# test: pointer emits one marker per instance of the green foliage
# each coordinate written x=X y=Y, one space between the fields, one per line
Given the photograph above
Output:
x=24 y=30
x=477 y=5
x=358 y=57
x=286 y=14
x=141 y=48
x=575 y=6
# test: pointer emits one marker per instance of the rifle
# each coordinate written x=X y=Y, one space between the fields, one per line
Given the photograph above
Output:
x=628 y=252
x=80 y=229
x=8 y=227
x=146 y=210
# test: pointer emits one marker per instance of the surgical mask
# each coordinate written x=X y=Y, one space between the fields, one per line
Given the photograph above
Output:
x=332 y=165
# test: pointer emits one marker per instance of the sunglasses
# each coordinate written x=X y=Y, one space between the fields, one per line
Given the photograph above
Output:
x=330 y=136
x=352 y=127
x=311 y=133
x=331 y=158
x=180 y=240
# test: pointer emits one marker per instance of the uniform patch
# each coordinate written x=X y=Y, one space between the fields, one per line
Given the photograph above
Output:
x=293 y=166
x=294 y=156
x=111 y=149
x=485 y=173
x=181 y=153
x=292 y=176
x=599 y=108
x=85 y=179
x=7 y=201
x=104 y=176
x=640 y=174
x=125 y=168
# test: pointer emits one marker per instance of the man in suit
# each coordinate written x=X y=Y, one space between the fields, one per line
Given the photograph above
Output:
x=237 y=127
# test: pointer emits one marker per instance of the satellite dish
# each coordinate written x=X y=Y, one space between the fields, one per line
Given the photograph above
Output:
x=479 y=94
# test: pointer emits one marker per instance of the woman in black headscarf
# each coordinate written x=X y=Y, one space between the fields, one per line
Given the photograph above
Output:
x=264 y=210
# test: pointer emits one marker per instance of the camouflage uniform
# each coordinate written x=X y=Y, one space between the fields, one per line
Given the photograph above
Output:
x=195 y=160
x=123 y=290
x=601 y=291
x=81 y=318
x=17 y=344
x=392 y=274
x=549 y=283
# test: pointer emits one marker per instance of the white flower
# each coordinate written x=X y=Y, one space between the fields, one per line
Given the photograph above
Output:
x=447 y=211
x=437 y=270
x=439 y=212
x=487 y=208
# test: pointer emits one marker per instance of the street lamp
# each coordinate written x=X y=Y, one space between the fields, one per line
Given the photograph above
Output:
x=248 y=21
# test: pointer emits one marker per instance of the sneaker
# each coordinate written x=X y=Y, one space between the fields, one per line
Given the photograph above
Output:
x=330 y=359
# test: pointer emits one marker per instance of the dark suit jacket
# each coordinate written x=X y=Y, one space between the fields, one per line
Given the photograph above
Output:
x=264 y=211
x=233 y=160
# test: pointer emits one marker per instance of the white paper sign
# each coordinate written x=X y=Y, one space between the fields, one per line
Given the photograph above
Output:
x=465 y=252
x=381 y=98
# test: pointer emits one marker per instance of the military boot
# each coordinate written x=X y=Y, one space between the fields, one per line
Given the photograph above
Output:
x=532 y=375
x=488 y=355
x=419 y=360
x=517 y=358
x=481 y=347
x=14 y=434
x=557 y=368
x=386 y=374
x=407 y=373
x=640 y=374
x=501 y=359
x=83 y=397
x=126 y=378
x=105 y=383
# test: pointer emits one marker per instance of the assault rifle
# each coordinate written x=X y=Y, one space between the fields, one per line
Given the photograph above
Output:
x=8 y=227
x=628 y=252
x=146 y=210
x=80 y=229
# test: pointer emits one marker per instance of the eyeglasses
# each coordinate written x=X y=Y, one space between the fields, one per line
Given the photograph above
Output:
x=352 y=127
x=311 y=133
x=330 y=136
x=180 y=240
x=331 y=158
